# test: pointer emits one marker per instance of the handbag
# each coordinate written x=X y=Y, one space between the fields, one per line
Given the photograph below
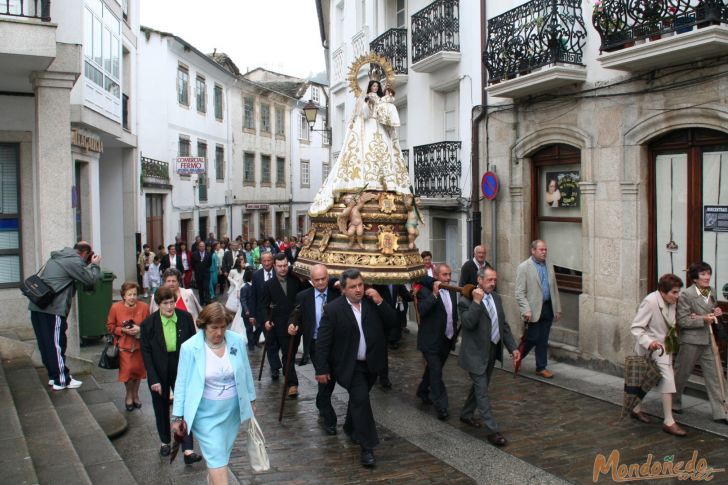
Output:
x=110 y=355
x=37 y=291
x=256 y=447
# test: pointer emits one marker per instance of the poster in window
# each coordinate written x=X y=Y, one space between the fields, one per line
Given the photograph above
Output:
x=715 y=218
x=562 y=188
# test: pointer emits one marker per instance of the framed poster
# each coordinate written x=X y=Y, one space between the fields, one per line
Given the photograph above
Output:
x=562 y=189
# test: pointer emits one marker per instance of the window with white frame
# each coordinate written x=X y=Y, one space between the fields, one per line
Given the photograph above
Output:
x=265 y=118
x=248 y=168
x=315 y=97
x=401 y=14
x=218 y=102
x=305 y=173
x=219 y=162
x=265 y=169
x=201 y=94
x=102 y=55
x=183 y=148
x=326 y=134
x=324 y=171
x=280 y=172
x=183 y=85
x=249 y=112
x=280 y=121
x=303 y=133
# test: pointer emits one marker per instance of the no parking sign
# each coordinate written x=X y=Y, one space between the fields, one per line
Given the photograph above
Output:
x=489 y=185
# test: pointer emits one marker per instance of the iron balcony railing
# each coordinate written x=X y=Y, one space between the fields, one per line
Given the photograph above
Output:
x=437 y=169
x=622 y=22
x=535 y=34
x=436 y=28
x=155 y=174
x=34 y=9
x=392 y=44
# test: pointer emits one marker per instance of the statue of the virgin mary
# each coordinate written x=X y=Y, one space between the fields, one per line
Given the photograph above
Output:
x=370 y=156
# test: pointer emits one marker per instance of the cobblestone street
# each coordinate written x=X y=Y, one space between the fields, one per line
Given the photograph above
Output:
x=554 y=434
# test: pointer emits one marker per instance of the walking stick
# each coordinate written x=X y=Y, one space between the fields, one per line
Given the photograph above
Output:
x=265 y=351
x=289 y=358
x=718 y=366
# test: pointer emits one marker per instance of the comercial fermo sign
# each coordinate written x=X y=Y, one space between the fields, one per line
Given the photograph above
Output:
x=191 y=165
x=87 y=141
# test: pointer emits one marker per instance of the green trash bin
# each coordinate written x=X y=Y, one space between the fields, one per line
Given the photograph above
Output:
x=93 y=306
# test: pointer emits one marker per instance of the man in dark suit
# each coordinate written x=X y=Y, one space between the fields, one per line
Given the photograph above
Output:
x=162 y=334
x=396 y=297
x=469 y=271
x=171 y=259
x=201 y=262
x=485 y=331
x=293 y=250
x=305 y=321
x=351 y=348
x=435 y=338
x=260 y=314
x=279 y=300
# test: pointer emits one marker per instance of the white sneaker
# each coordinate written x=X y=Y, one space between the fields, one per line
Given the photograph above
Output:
x=74 y=384
x=50 y=382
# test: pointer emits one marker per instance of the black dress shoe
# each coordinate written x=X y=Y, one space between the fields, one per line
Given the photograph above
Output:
x=385 y=383
x=192 y=458
x=164 y=450
x=130 y=407
x=303 y=361
x=330 y=430
x=677 y=411
x=442 y=414
x=138 y=405
x=497 y=439
x=721 y=421
x=424 y=398
x=367 y=457
x=275 y=374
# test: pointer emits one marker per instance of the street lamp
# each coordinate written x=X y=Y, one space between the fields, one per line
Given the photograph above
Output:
x=310 y=111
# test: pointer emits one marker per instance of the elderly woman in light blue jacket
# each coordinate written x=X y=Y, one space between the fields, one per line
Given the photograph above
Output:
x=214 y=392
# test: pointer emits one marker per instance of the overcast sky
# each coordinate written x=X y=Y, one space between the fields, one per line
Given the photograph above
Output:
x=280 y=35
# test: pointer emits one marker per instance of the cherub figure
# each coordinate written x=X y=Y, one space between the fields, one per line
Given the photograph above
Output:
x=352 y=215
x=414 y=218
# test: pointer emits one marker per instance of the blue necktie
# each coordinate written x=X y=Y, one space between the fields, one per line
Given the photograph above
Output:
x=319 y=312
x=494 y=330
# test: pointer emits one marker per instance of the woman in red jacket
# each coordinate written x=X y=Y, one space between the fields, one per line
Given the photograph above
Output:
x=123 y=323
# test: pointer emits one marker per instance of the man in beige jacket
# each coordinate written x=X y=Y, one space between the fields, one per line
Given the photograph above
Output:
x=538 y=302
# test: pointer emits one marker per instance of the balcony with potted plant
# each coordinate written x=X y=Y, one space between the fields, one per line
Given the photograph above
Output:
x=535 y=48
x=650 y=34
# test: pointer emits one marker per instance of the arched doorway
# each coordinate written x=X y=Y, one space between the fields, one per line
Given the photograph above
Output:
x=556 y=218
x=688 y=216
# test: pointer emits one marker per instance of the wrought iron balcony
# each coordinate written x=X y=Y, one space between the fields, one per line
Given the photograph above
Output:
x=436 y=32
x=533 y=35
x=34 y=9
x=155 y=174
x=437 y=169
x=622 y=22
x=392 y=44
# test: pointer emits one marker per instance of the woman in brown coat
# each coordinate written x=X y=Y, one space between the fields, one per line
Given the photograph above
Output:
x=123 y=323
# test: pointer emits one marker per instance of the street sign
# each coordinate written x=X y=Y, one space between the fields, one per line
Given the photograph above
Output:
x=489 y=185
x=190 y=165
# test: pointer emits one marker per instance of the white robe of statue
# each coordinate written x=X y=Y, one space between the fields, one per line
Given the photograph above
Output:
x=370 y=158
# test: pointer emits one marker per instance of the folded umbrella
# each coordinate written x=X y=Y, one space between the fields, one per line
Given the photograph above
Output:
x=521 y=349
x=178 y=439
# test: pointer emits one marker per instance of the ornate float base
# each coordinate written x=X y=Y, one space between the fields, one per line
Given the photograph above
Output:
x=369 y=231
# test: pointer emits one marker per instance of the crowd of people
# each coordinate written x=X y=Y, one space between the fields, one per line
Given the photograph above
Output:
x=189 y=356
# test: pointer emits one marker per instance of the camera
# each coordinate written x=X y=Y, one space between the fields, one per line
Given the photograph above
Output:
x=128 y=324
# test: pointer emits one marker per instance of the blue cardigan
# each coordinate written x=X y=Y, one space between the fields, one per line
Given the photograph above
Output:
x=191 y=376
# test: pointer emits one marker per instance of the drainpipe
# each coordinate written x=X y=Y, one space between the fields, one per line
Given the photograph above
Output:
x=476 y=229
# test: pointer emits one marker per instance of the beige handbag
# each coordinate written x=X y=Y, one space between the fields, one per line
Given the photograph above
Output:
x=256 y=447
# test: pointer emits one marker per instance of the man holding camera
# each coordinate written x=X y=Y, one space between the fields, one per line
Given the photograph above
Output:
x=61 y=271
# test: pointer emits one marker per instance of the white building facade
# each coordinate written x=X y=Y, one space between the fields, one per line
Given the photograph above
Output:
x=185 y=119
x=434 y=48
x=67 y=137
x=311 y=153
